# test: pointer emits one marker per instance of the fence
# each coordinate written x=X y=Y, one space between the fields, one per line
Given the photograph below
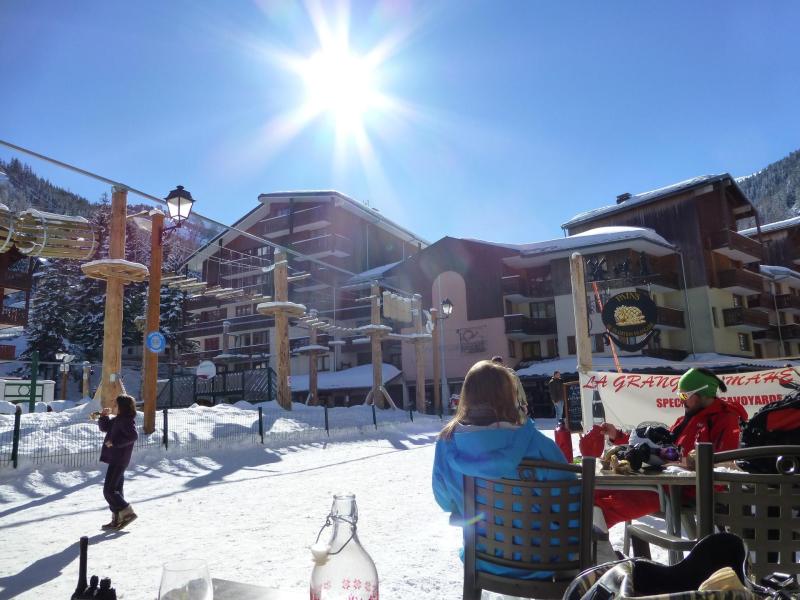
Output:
x=72 y=440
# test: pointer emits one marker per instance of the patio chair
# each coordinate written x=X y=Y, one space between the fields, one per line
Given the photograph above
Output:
x=762 y=509
x=529 y=525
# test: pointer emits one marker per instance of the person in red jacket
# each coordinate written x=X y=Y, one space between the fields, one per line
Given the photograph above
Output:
x=706 y=419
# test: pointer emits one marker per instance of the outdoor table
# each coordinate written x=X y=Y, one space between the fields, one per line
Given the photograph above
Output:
x=671 y=480
x=224 y=589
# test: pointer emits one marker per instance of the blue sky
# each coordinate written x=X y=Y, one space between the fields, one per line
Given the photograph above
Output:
x=500 y=120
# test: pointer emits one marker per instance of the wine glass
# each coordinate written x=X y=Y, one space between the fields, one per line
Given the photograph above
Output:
x=185 y=579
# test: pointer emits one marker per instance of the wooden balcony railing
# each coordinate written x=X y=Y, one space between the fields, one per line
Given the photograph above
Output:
x=329 y=244
x=745 y=318
x=524 y=325
x=13 y=316
x=764 y=302
x=790 y=333
x=741 y=281
x=305 y=219
x=735 y=245
x=670 y=317
x=788 y=302
x=516 y=285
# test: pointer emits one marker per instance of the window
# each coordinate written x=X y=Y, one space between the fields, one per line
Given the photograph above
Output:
x=552 y=347
x=509 y=308
x=259 y=338
x=531 y=350
x=542 y=310
x=714 y=316
x=323 y=363
x=744 y=342
x=787 y=349
x=738 y=301
x=571 y=345
x=512 y=349
x=211 y=344
x=599 y=343
x=244 y=310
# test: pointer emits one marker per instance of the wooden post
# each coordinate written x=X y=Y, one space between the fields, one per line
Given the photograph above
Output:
x=87 y=367
x=583 y=343
x=282 y=331
x=377 y=351
x=437 y=397
x=153 y=322
x=313 y=397
x=416 y=310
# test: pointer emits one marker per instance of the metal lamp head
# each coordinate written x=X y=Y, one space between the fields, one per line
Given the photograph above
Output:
x=179 y=204
x=447 y=308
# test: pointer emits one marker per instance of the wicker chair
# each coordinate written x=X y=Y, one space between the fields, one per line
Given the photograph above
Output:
x=530 y=525
x=764 y=510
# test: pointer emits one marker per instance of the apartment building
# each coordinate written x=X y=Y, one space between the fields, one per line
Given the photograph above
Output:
x=336 y=246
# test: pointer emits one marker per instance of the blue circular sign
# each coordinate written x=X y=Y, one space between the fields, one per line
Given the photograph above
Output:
x=156 y=342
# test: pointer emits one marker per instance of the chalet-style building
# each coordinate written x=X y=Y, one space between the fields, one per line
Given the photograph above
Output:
x=781 y=241
x=16 y=280
x=340 y=243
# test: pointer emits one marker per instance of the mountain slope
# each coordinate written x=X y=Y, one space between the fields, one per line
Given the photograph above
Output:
x=775 y=190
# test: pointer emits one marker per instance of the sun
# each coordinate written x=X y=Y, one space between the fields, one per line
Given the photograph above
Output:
x=340 y=83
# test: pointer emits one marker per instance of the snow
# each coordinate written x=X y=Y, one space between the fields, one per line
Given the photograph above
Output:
x=250 y=511
x=311 y=348
x=774 y=226
x=356 y=378
x=40 y=214
x=114 y=261
x=778 y=272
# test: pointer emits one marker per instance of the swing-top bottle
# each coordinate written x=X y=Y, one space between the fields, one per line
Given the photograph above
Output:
x=342 y=568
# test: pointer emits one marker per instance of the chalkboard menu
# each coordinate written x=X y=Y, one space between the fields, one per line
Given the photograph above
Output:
x=573 y=413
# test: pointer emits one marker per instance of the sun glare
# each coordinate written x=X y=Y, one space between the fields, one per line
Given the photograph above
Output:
x=341 y=84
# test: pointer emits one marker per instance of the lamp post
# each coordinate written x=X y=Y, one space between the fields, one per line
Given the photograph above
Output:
x=446 y=311
x=179 y=205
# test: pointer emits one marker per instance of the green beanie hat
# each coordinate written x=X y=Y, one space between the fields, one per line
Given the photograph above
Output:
x=694 y=379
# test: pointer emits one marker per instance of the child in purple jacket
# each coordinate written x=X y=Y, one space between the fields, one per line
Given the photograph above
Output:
x=117 y=449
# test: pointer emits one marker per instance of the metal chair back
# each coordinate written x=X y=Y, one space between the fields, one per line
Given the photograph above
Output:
x=762 y=509
x=531 y=525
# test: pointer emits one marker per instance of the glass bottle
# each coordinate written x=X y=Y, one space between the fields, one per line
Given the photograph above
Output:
x=342 y=568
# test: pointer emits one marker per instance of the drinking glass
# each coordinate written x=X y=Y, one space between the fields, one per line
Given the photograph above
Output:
x=185 y=579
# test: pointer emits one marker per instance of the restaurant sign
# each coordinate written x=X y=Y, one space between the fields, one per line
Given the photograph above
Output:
x=628 y=316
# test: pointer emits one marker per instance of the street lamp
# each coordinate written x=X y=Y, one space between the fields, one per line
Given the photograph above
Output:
x=447 y=310
x=179 y=205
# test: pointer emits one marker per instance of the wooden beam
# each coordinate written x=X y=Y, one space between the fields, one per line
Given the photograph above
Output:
x=153 y=323
x=282 y=331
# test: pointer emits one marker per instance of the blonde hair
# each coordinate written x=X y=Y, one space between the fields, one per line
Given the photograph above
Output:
x=487 y=396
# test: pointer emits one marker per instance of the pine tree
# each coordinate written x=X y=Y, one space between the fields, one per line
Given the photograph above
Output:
x=52 y=315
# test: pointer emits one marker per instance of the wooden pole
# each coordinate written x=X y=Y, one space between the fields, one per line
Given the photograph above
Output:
x=282 y=331
x=153 y=322
x=377 y=352
x=437 y=398
x=110 y=384
x=416 y=310
x=313 y=397
x=583 y=343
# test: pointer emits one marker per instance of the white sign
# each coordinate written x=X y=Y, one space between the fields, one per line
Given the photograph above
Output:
x=206 y=370
x=289 y=380
x=631 y=398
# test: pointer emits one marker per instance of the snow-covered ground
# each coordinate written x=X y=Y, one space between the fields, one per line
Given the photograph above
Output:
x=250 y=511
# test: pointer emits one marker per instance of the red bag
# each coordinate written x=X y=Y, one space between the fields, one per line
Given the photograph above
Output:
x=593 y=443
x=564 y=440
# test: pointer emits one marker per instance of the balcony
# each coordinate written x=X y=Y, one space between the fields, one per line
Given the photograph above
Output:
x=324 y=246
x=764 y=302
x=790 y=333
x=519 y=289
x=789 y=303
x=669 y=318
x=766 y=335
x=8 y=352
x=740 y=281
x=745 y=319
x=735 y=246
x=18 y=280
x=521 y=327
x=305 y=219
x=13 y=316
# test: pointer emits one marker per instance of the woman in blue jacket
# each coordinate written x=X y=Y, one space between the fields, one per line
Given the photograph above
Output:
x=487 y=438
x=117 y=450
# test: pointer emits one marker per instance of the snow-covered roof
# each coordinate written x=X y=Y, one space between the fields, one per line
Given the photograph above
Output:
x=775 y=226
x=778 y=272
x=371 y=274
x=646 y=197
x=357 y=378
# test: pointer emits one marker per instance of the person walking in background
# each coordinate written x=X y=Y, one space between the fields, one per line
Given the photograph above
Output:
x=117 y=450
x=556 y=388
x=487 y=437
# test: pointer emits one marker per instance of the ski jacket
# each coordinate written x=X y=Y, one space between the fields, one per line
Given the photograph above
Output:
x=121 y=432
x=490 y=452
x=718 y=423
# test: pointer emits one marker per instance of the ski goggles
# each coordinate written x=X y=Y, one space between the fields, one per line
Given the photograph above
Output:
x=684 y=396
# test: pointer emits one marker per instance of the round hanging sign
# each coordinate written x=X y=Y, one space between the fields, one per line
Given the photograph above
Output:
x=630 y=314
x=206 y=370
x=156 y=342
